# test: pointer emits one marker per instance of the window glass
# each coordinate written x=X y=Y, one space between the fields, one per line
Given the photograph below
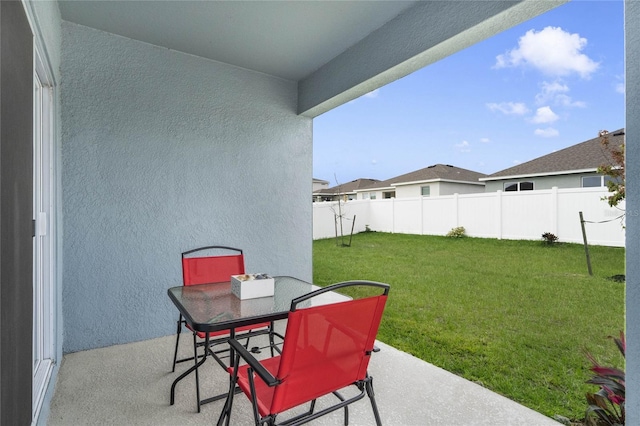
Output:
x=510 y=186
x=426 y=191
x=372 y=195
x=365 y=195
x=388 y=194
x=526 y=186
x=591 y=181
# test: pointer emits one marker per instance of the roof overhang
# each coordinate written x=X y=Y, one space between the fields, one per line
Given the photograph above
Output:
x=531 y=175
x=417 y=182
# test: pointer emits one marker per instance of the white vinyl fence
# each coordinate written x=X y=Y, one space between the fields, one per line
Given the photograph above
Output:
x=522 y=215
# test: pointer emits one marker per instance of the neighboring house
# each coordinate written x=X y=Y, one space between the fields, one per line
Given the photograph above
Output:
x=432 y=181
x=344 y=191
x=572 y=167
x=319 y=184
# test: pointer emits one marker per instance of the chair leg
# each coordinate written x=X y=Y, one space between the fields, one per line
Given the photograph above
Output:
x=272 y=342
x=369 y=386
x=175 y=353
x=195 y=359
x=225 y=415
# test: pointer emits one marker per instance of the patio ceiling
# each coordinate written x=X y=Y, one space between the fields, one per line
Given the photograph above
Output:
x=284 y=39
x=335 y=50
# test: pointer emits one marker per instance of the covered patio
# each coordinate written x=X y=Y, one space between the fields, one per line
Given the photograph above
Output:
x=133 y=131
x=129 y=384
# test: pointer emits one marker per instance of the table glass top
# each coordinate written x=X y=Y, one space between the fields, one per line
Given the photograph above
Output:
x=211 y=307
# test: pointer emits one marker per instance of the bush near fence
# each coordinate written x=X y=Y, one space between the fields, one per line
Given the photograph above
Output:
x=524 y=215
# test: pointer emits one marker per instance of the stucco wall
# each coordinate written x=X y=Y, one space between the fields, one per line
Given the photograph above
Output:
x=407 y=191
x=163 y=152
x=542 y=182
x=632 y=125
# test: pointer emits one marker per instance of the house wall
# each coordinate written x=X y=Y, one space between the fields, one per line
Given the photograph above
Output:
x=450 y=188
x=405 y=191
x=632 y=151
x=542 y=182
x=164 y=152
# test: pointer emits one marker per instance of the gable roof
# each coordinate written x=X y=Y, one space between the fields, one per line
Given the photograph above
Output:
x=582 y=157
x=349 y=187
x=434 y=173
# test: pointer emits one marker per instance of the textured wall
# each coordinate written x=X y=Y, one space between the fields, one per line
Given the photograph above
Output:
x=164 y=152
x=542 y=182
x=632 y=52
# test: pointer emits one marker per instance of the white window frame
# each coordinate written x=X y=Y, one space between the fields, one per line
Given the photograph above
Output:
x=428 y=188
x=603 y=181
x=518 y=185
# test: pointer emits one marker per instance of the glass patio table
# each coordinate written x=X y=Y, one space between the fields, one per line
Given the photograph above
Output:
x=213 y=307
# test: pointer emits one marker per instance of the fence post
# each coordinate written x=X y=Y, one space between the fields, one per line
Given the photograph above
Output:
x=499 y=215
x=554 y=210
x=393 y=215
x=421 y=215
x=457 y=207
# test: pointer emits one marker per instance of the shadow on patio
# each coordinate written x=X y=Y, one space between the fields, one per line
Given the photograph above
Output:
x=129 y=385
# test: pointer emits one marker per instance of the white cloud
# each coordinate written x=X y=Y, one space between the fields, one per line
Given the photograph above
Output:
x=374 y=161
x=620 y=88
x=544 y=115
x=485 y=140
x=566 y=101
x=553 y=51
x=463 y=146
x=516 y=162
x=509 y=108
x=550 y=91
x=549 y=132
x=556 y=92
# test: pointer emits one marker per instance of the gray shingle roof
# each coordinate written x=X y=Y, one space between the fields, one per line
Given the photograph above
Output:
x=587 y=155
x=432 y=173
x=349 y=187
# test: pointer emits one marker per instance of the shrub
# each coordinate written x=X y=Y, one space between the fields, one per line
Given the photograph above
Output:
x=549 y=238
x=456 y=232
x=606 y=406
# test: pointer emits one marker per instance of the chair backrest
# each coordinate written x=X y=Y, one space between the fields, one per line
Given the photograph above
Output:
x=211 y=269
x=327 y=347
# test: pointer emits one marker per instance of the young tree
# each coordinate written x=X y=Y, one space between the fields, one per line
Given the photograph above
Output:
x=614 y=170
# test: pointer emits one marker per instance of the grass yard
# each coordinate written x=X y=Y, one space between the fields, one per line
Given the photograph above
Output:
x=514 y=316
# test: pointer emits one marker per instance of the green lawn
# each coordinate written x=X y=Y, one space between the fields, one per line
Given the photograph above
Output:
x=514 y=316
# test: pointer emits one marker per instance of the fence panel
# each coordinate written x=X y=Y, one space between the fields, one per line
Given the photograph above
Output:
x=381 y=215
x=439 y=214
x=480 y=214
x=608 y=232
x=407 y=218
x=513 y=215
x=324 y=221
x=527 y=215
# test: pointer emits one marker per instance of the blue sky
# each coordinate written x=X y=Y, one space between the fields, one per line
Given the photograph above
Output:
x=544 y=85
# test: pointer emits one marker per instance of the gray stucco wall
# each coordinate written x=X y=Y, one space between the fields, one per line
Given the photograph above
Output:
x=632 y=165
x=163 y=152
x=542 y=182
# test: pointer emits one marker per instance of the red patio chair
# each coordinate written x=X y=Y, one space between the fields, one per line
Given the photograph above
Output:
x=327 y=348
x=215 y=269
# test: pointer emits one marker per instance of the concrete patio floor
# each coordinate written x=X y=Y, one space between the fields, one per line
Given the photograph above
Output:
x=129 y=385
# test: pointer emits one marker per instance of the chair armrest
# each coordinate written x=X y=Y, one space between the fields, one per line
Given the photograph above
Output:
x=255 y=365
